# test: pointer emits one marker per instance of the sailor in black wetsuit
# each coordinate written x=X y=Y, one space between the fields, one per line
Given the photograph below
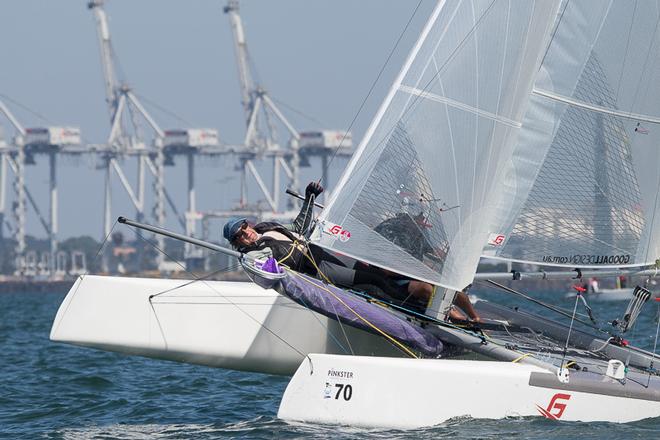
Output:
x=287 y=246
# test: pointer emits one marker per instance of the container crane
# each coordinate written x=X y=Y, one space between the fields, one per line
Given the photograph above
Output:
x=260 y=112
x=125 y=138
x=27 y=143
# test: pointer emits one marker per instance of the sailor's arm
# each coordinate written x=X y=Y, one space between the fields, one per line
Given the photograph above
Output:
x=304 y=218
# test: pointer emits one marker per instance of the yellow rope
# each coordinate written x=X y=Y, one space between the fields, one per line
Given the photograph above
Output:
x=318 y=270
x=430 y=302
x=521 y=358
x=286 y=257
x=366 y=321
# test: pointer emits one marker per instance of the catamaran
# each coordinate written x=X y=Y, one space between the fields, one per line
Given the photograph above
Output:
x=520 y=130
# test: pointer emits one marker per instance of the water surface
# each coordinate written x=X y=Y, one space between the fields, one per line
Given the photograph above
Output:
x=51 y=390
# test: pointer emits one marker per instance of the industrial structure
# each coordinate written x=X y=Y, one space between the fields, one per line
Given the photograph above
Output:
x=126 y=142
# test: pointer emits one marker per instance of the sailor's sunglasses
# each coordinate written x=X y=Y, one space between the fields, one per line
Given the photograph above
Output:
x=241 y=231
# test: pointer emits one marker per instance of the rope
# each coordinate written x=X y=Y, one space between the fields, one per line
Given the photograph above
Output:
x=655 y=345
x=319 y=321
x=516 y=360
x=319 y=271
x=258 y=322
x=543 y=304
x=82 y=277
x=432 y=296
x=294 y=246
x=292 y=249
x=202 y=278
x=570 y=329
x=362 y=318
x=605 y=344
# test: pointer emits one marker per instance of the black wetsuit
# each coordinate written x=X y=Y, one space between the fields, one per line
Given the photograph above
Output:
x=341 y=273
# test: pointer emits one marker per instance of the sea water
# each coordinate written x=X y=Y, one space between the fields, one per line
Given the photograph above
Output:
x=51 y=390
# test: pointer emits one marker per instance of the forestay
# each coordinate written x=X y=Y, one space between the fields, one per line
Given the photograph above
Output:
x=589 y=147
x=419 y=194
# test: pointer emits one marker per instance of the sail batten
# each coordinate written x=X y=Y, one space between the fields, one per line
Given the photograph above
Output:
x=597 y=108
x=459 y=105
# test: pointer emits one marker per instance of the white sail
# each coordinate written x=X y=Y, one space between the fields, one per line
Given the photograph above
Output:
x=419 y=194
x=588 y=149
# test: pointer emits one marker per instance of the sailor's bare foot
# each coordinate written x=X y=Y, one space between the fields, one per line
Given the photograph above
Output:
x=456 y=316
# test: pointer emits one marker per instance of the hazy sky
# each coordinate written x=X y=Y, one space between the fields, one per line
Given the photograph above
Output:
x=318 y=57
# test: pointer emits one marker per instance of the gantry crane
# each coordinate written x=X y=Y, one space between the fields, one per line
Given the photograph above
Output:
x=26 y=144
x=260 y=133
x=125 y=138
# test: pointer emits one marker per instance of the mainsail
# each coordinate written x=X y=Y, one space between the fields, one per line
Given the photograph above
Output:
x=419 y=194
x=588 y=149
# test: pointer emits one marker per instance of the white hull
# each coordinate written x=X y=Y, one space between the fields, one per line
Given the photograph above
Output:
x=412 y=393
x=214 y=323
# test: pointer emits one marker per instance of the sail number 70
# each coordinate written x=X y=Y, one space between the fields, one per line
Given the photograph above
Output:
x=345 y=391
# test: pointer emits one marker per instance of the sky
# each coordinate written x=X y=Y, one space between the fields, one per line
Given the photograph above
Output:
x=317 y=58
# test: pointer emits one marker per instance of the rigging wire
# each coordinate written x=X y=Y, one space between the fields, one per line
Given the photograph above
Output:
x=655 y=345
x=334 y=338
x=310 y=256
x=160 y=327
x=341 y=327
x=163 y=109
x=657 y=328
x=394 y=341
x=201 y=278
x=568 y=337
x=625 y=55
x=373 y=84
x=366 y=321
x=308 y=252
x=298 y=112
x=294 y=245
x=259 y=323
x=468 y=330
x=82 y=277
x=26 y=108
x=197 y=278
x=554 y=32
x=543 y=304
